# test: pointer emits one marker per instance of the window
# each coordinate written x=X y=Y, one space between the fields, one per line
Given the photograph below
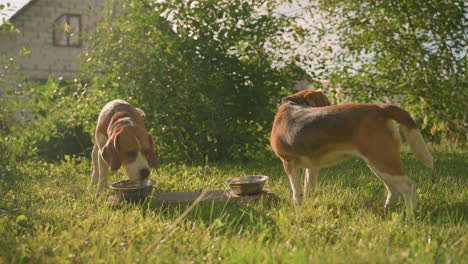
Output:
x=66 y=31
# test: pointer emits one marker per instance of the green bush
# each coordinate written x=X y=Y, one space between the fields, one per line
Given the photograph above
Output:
x=40 y=120
x=43 y=120
x=200 y=70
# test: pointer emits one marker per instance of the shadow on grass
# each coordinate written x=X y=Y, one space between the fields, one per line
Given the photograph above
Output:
x=12 y=175
x=228 y=218
x=445 y=213
x=207 y=211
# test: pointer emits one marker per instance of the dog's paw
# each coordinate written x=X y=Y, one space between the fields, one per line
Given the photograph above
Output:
x=298 y=199
x=99 y=194
x=91 y=187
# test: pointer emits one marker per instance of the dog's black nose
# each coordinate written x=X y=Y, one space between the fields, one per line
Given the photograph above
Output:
x=144 y=172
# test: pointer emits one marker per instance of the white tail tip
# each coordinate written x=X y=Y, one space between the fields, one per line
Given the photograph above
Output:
x=418 y=147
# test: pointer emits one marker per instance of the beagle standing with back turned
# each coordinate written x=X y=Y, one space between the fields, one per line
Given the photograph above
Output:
x=121 y=140
x=309 y=133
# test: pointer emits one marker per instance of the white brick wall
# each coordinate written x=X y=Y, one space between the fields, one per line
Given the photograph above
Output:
x=35 y=22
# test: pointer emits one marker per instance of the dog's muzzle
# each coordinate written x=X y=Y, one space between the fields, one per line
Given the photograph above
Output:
x=144 y=173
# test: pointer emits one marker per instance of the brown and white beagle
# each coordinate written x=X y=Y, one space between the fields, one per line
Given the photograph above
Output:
x=122 y=140
x=310 y=133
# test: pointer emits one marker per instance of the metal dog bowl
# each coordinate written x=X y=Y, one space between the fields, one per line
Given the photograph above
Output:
x=246 y=185
x=132 y=190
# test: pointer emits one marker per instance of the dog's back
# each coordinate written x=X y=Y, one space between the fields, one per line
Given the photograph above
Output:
x=309 y=130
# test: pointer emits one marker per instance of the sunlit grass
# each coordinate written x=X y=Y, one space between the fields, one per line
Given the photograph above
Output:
x=47 y=215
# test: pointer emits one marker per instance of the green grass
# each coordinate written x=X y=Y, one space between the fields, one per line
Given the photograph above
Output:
x=48 y=216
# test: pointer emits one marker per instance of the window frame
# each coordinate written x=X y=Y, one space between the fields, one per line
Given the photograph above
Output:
x=67 y=35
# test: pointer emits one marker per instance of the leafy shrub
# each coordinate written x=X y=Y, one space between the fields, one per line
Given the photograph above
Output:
x=48 y=119
x=200 y=70
x=39 y=119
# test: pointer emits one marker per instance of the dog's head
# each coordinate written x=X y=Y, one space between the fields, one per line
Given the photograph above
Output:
x=314 y=98
x=131 y=147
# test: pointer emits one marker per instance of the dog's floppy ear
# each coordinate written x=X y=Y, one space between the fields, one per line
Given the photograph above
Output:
x=140 y=112
x=316 y=98
x=152 y=160
x=110 y=154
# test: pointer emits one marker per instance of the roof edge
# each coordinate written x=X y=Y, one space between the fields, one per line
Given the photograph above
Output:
x=22 y=10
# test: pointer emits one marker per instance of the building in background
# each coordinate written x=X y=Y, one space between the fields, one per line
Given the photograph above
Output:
x=50 y=35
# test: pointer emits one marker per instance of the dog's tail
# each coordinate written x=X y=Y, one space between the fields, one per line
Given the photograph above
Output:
x=413 y=136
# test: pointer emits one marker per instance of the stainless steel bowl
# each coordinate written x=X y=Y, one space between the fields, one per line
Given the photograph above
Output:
x=133 y=191
x=246 y=185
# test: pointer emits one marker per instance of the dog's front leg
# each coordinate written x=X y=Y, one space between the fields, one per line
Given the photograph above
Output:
x=310 y=180
x=295 y=180
x=95 y=173
x=103 y=170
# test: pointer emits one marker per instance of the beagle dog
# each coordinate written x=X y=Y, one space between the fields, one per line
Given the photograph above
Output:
x=121 y=140
x=310 y=133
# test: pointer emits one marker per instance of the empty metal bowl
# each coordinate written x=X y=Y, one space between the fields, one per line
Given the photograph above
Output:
x=245 y=185
x=132 y=190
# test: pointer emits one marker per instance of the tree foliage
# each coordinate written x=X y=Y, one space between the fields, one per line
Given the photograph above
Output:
x=42 y=120
x=410 y=50
x=200 y=70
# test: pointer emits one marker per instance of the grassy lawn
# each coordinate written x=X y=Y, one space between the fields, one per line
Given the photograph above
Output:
x=48 y=216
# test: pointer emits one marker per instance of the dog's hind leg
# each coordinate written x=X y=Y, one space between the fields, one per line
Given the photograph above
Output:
x=310 y=180
x=398 y=184
x=392 y=193
x=385 y=162
x=95 y=173
x=295 y=180
x=386 y=166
